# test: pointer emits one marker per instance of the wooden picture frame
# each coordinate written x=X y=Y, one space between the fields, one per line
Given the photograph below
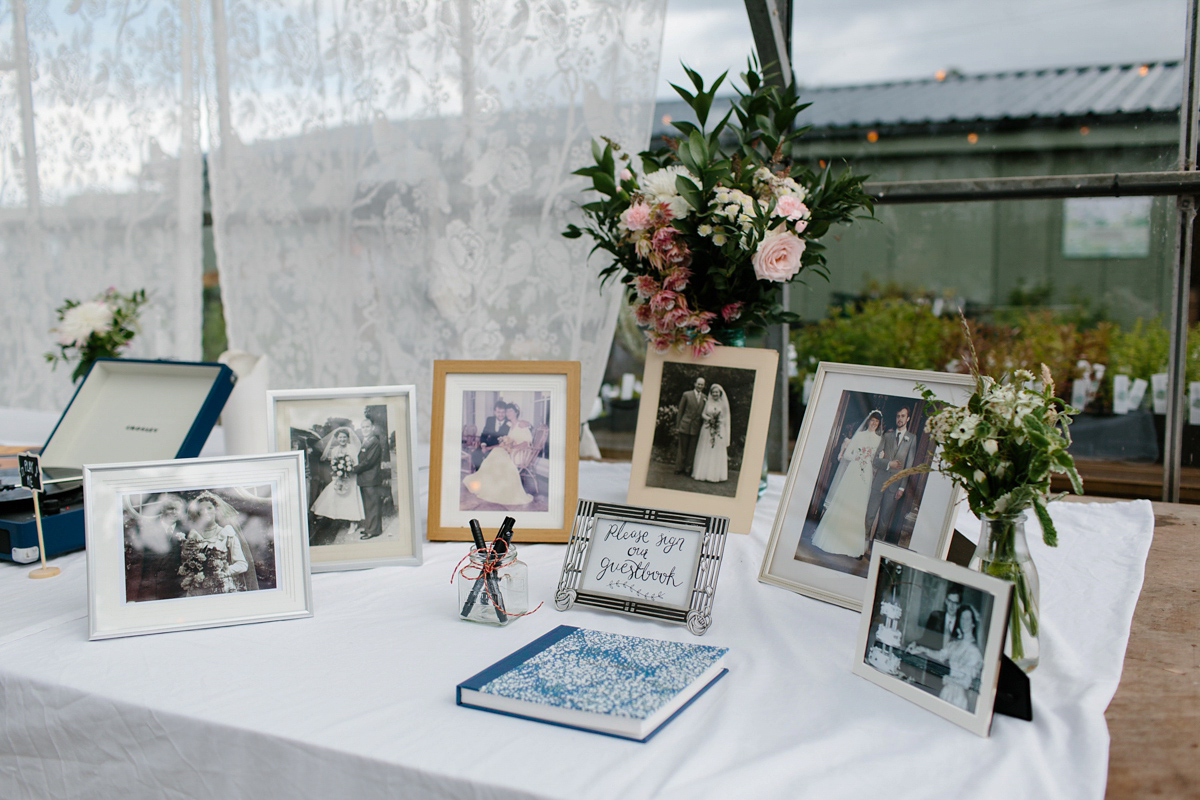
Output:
x=533 y=472
x=196 y=543
x=818 y=546
x=373 y=520
x=673 y=432
x=913 y=642
x=643 y=562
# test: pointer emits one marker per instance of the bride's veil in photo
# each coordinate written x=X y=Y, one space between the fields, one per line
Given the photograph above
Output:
x=354 y=446
x=842 y=462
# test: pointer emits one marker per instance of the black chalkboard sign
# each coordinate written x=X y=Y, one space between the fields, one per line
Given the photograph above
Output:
x=30 y=468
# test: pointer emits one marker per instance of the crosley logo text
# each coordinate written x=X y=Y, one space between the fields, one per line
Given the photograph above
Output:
x=141 y=428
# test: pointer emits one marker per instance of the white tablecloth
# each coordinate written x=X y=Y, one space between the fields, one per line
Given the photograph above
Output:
x=359 y=700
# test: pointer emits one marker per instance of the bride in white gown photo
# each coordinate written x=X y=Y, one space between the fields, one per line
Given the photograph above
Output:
x=712 y=446
x=497 y=480
x=843 y=527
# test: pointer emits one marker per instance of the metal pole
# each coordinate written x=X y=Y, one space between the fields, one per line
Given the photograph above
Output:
x=1189 y=133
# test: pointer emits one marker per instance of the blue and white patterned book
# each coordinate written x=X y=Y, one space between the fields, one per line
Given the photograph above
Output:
x=625 y=686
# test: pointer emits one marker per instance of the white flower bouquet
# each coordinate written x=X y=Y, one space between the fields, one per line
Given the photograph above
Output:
x=96 y=328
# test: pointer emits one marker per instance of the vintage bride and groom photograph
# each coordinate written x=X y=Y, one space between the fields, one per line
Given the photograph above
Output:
x=505 y=440
x=862 y=494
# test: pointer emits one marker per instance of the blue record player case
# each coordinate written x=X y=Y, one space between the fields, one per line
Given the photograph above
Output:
x=124 y=410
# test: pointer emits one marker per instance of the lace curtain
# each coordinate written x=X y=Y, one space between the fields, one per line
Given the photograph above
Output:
x=390 y=179
x=100 y=176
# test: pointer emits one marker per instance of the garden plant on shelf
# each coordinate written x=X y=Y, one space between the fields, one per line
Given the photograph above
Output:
x=96 y=328
x=704 y=232
x=1002 y=447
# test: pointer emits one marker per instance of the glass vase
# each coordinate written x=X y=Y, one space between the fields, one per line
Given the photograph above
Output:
x=1004 y=553
x=736 y=337
x=493 y=590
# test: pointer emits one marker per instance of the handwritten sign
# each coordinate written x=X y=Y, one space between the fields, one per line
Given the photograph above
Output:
x=30 y=470
x=642 y=561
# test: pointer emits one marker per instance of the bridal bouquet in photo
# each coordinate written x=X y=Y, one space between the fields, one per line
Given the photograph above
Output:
x=704 y=232
x=341 y=467
x=1002 y=447
x=96 y=328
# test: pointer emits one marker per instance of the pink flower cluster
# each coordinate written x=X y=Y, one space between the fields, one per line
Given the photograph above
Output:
x=660 y=304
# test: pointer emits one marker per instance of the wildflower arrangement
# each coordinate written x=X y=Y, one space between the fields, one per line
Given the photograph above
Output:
x=706 y=231
x=1004 y=445
x=96 y=328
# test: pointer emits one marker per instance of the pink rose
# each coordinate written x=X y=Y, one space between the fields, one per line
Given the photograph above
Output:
x=778 y=257
x=791 y=207
x=636 y=217
x=731 y=312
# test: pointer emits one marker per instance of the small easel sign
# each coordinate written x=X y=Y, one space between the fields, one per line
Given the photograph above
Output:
x=30 y=467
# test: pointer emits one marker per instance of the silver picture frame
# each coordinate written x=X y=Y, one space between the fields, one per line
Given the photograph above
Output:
x=303 y=419
x=643 y=562
x=950 y=666
x=195 y=543
x=918 y=515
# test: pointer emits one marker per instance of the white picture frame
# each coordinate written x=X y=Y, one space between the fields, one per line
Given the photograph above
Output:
x=152 y=527
x=816 y=552
x=898 y=634
x=386 y=529
x=644 y=562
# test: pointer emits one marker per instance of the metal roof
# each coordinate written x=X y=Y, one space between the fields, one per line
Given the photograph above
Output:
x=1149 y=88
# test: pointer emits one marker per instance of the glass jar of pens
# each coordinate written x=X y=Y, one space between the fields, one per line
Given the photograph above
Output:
x=493 y=584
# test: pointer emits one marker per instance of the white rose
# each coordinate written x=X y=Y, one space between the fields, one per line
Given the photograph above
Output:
x=82 y=321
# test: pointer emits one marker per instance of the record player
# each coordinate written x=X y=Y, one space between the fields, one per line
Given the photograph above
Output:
x=124 y=410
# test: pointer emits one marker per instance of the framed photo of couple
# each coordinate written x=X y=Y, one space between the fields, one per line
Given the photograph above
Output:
x=361 y=471
x=195 y=543
x=702 y=432
x=863 y=425
x=504 y=442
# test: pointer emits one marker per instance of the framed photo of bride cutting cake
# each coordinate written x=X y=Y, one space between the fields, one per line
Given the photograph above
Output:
x=504 y=442
x=359 y=445
x=702 y=432
x=933 y=633
x=863 y=425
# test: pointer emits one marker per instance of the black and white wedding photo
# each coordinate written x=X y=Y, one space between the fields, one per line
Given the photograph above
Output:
x=930 y=632
x=505 y=447
x=195 y=542
x=700 y=432
x=350 y=458
x=856 y=502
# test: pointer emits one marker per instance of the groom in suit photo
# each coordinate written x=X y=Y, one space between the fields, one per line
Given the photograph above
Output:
x=370 y=479
x=494 y=427
x=896 y=451
x=688 y=420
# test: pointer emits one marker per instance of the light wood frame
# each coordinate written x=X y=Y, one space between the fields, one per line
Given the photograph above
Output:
x=447 y=521
x=739 y=507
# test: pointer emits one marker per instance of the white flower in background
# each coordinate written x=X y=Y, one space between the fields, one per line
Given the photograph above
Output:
x=965 y=428
x=979 y=476
x=990 y=446
x=81 y=321
x=659 y=187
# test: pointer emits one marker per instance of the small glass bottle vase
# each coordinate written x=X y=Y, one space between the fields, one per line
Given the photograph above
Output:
x=495 y=595
x=1004 y=553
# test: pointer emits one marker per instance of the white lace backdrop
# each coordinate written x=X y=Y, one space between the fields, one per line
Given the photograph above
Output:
x=390 y=180
x=100 y=176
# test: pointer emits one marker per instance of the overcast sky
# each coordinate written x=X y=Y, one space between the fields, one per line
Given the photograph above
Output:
x=838 y=42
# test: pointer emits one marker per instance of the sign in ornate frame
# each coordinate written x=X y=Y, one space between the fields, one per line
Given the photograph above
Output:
x=680 y=583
